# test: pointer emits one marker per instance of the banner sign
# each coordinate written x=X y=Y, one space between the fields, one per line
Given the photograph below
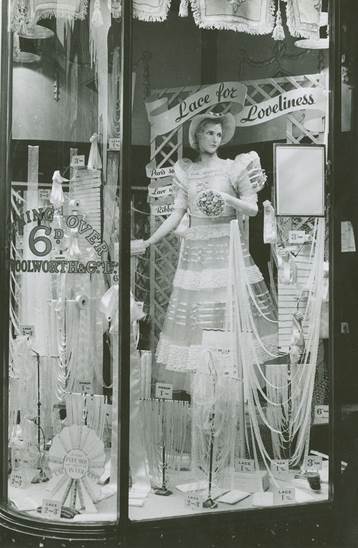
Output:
x=160 y=192
x=290 y=101
x=153 y=172
x=163 y=120
x=215 y=94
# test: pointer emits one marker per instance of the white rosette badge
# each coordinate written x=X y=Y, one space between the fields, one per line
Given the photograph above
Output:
x=210 y=203
x=76 y=459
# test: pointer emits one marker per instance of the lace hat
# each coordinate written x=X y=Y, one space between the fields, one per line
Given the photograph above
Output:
x=228 y=126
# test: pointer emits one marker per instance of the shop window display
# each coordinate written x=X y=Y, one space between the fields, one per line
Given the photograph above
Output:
x=233 y=349
x=228 y=345
x=63 y=356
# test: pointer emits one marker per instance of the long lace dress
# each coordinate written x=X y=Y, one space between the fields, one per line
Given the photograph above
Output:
x=199 y=296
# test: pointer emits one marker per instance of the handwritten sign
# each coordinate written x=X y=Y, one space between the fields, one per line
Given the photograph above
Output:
x=114 y=143
x=18 y=480
x=194 y=499
x=279 y=466
x=164 y=391
x=245 y=465
x=284 y=495
x=321 y=414
x=85 y=387
x=78 y=160
x=51 y=508
x=313 y=463
x=296 y=237
x=27 y=330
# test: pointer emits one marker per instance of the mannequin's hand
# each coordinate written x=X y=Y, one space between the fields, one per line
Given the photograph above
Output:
x=138 y=247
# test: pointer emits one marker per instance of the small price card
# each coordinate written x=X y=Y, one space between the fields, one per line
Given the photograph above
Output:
x=51 y=508
x=17 y=479
x=164 y=391
x=114 y=143
x=279 y=466
x=245 y=465
x=85 y=387
x=284 y=495
x=313 y=463
x=194 y=499
x=296 y=237
x=28 y=330
x=321 y=414
x=78 y=160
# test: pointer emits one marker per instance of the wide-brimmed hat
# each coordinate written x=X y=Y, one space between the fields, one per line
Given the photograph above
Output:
x=228 y=125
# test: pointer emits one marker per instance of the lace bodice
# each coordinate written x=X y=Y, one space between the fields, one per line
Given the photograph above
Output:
x=233 y=177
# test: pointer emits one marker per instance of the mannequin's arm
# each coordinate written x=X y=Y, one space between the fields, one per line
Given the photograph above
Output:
x=245 y=207
x=166 y=227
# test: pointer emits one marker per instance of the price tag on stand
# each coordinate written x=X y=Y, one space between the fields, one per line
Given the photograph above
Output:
x=164 y=391
x=321 y=414
x=27 y=330
x=51 y=508
x=18 y=480
x=114 y=143
x=284 y=495
x=313 y=463
x=85 y=387
x=279 y=467
x=194 y=499
x=296 y=237
x=245 y=465
x=78 y=160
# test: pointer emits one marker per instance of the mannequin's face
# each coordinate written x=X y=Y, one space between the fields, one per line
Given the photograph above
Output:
x=209 y=138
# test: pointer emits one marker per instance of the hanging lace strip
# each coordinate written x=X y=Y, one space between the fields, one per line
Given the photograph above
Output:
x=242 y=326
x=100 y=22
x=66 y=9
x=303 y=17
x=151 y=10
x=252 y=17
x=165 y=424
x=215 y=416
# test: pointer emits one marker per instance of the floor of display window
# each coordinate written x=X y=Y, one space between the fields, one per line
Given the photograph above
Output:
x=177 y=504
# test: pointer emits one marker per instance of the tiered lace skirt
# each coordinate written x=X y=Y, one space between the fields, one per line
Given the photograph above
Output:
x=199 y=298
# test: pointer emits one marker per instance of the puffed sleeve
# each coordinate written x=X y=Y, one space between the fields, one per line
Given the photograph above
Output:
x=246 y=175
x=181 y=184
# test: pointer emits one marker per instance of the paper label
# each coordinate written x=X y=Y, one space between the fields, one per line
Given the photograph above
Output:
x=296 y=237
x=78 y=160
x=313 y=463
x=279 y=466
x=164 y=391
x=51 y=508
x=283 y=495
x=85 y=387
x=194 y=500
x=245 y=465
x=114 y=143
x=28 y=330
x=17 y=479
x=321 y=414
